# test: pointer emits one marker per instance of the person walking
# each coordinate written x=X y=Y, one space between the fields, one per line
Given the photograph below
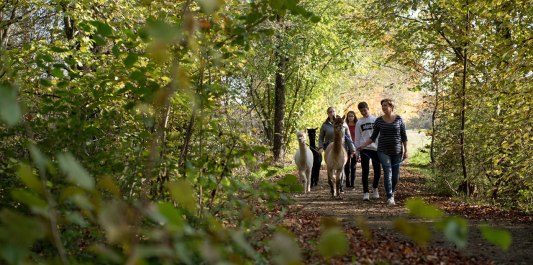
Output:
x=350 y=167
x=363 y=130
x=325 y=137
x=389 y=131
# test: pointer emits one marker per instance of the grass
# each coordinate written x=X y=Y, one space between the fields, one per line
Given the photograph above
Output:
x=420 y=158
x=274 y=170
x=417 y=140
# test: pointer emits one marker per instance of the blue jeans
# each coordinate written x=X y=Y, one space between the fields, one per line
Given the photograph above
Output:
x=391 y=171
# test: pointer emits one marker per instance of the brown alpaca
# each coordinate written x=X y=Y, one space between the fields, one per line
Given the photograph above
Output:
x=335 y=157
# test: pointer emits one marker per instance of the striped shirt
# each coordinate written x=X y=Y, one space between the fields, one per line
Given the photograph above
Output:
x=391 y=135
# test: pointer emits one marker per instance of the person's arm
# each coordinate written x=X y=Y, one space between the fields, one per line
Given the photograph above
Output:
x=348 y=140
x=358 y=134
x=403 y=135
x=405 y=154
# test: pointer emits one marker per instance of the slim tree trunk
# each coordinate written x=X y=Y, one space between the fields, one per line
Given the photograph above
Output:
x=279 y=111
x=279 y=103
x=463 y=104
x=433 y=117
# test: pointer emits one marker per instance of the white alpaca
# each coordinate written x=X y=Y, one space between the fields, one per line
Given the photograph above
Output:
x=304 y=161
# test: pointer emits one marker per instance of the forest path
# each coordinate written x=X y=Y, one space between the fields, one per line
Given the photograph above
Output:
x=379 y=218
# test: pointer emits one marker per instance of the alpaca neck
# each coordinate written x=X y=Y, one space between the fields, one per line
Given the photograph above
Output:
x=312 y=142
x=337 y=141
x=302 y=150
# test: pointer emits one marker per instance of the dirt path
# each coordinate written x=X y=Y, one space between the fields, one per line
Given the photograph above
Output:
x=379 y=218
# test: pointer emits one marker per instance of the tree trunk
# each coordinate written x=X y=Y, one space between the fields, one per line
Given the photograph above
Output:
x=433 y=117
x=279 y=103
x=463 y=103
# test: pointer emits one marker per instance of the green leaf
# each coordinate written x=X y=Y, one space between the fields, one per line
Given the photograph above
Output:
x=163 y=31
x=290 y=183
x=209 y=6
x=47 y=58
x=333 y=243
x=98 y=39
x=418 y=232
x=17 y=235
x=102 y=28
x=170 y=214
x=58 y=49
x=285 y=249
x=10 y=111
x=315 y=19
x=419 y=208
x=130 y=60
x=76 y=174
x=38 y=157
x=240 y=240
x=362 y=224
x=114 y=219
x=76 y=218
x=277 y=4
x=21 y=230
x=57 y=72
x=62 y=84
x=25 y=174
x=28 y=198
x=499 y=237
x=137 y=76
x=182 y=192
x=455 y=229
x=45 y=82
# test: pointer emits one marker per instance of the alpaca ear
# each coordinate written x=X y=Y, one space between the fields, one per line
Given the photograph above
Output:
x=343 y=117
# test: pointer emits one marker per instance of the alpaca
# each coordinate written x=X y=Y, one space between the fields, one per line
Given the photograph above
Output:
x=336 y=157
x=304 y=161
x=317 y=157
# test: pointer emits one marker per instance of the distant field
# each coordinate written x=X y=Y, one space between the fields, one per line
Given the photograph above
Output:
x=416 y=140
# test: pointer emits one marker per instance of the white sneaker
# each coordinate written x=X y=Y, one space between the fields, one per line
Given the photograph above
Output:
x=375 y=194
x=366 y=196
x=390 y=202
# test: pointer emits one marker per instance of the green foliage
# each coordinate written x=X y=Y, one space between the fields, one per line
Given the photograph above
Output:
x=141 y=134
x=420 y=209
x=18 y=233
x=419 y=232
x=182 y=193
x=134 y=148
x=9 y=109
x=432 y=39
x=498 y=237
x=76 y=174
x=420 y=158
x=291 y=183
x=333 y=243
x=285 y=249
x=454 y=229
